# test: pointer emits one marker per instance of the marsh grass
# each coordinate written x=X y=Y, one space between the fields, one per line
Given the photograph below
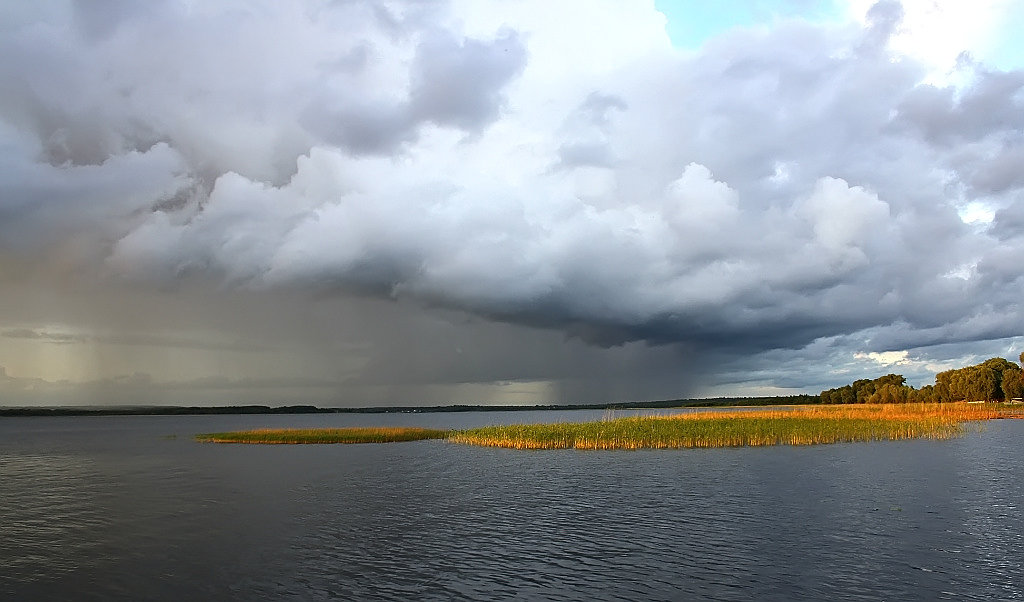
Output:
x=793 y=426
x=333 y=435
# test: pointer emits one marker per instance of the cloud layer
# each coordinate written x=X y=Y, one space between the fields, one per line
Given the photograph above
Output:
x=780 y=188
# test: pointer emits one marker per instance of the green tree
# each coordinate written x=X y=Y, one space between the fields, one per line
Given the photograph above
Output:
x=862 y=390
x=1013 y=384
x=982 y=384
x=999 y=366
x=890 y=393
x=994 y=379
x=926 y=394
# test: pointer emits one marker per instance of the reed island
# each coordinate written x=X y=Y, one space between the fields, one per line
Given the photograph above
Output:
x=867 y=410
x=809 y=425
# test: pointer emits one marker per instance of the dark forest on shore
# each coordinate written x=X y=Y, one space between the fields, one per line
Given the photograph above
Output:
x=995 y=379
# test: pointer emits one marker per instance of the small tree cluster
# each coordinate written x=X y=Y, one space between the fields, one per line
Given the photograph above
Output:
x=995 y=379
x=982 y=382
x=890 y=388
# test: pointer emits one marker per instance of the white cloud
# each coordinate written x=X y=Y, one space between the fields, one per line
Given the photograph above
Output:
x=886 y=358
x=780 y=186
x=938 y=32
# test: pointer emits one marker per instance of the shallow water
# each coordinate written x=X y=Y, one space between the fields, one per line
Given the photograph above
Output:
x=129 y=508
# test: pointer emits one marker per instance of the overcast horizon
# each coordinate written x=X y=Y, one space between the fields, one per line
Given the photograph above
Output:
x=469 y=202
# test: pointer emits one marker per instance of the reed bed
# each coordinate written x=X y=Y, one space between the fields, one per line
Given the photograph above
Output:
x=794 y=426
x=797 y=425
x=325 y=435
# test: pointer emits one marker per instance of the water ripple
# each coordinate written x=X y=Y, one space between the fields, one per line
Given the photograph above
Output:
x=155 y=519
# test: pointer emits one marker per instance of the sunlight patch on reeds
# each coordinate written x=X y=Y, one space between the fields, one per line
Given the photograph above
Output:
x=807 y=425
x=325 y=435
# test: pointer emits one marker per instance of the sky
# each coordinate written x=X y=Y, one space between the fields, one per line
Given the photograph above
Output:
x=417 y=203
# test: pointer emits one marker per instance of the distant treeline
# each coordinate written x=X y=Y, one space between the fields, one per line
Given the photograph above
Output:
x=159 y=410
x=307 y=409
x=995 y=379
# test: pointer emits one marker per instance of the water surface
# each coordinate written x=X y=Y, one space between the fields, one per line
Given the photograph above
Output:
x=129 y=508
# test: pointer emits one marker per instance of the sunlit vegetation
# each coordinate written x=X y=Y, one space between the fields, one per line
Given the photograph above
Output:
x=795 y=426
x=325 y=435
x=867 y=410
x=800 y=425
x=996 y=379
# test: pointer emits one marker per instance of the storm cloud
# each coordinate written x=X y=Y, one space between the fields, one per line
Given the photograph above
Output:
x=780 y=189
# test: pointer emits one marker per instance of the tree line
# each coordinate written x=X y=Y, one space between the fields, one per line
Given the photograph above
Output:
x=995 y=379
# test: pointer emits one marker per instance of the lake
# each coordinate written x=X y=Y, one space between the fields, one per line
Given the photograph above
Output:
x=131 y=508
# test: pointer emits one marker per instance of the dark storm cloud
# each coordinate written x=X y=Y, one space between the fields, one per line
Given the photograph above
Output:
x=43 y=204
x=453 y=82
x=776 y=188
x=598 y=107
x=583 y=154
x=883 y=18
x=459 y=82
x=1008 y=223
x=992 y=105
x=373 y=129
x=585 y=133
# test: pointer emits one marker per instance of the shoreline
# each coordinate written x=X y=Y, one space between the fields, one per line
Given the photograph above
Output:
x=668 y=404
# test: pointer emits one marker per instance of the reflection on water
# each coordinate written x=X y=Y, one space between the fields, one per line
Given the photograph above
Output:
x=113 y=508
